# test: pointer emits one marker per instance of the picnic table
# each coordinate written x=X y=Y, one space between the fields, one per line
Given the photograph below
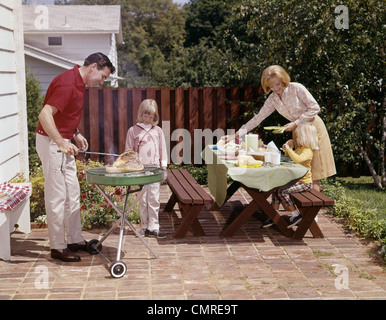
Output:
x=259 y=183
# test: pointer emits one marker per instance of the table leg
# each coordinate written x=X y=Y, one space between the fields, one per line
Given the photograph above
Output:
x=261 y=200
x=239 y=220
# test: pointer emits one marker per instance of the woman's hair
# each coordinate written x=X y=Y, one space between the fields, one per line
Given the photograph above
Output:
x=271 y=74
x=307 y=136
x=101 y=61
x=148 y=106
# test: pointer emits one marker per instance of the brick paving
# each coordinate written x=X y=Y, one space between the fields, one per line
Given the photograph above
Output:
x=254 y=264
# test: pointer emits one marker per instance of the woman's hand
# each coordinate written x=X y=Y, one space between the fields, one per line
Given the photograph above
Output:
x=230 y=138
x=290 y=126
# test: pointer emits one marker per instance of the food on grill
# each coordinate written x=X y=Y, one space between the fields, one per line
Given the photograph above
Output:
x=127 y=162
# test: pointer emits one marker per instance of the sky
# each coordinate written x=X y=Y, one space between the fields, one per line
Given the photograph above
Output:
x=181 y=2
x=49 y=2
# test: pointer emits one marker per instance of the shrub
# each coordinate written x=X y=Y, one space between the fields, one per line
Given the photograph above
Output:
x=200 y=173
x=36 y=178
x=34 y=106
x=362 y=220
x=95 y=209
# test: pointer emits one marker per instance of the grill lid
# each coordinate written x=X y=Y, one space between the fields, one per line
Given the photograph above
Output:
x=148 y=175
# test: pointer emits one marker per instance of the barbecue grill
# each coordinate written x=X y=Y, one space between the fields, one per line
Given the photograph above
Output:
x=140 y=179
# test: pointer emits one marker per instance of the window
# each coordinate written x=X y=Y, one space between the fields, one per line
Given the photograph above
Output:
x=55 y=41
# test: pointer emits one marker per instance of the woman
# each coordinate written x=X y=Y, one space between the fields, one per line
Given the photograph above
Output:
x=294 y=102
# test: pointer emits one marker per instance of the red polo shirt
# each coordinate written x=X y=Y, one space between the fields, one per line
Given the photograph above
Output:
x=66 y=92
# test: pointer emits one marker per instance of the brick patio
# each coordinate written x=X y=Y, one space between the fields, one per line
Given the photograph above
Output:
x=255 y=263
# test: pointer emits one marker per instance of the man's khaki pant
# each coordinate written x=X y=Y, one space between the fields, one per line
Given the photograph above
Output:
x=61 y=194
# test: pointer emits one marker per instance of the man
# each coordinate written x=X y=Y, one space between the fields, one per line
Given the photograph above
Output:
x=58 y=124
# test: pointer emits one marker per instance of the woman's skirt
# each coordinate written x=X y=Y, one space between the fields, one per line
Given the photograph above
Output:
x=323 y=164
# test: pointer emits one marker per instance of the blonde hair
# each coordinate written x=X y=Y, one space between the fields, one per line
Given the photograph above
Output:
x=307 y=136
x=148 y=106
x=270 y=76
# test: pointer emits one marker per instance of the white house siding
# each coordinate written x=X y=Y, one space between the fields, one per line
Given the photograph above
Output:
x=75 y=47
x=13 y=114
x=44 y=71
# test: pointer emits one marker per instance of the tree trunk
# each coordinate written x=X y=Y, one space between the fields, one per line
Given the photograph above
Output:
x=383 y=142
x=371 y=168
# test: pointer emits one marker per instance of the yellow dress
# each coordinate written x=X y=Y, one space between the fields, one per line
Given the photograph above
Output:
x=303 y=156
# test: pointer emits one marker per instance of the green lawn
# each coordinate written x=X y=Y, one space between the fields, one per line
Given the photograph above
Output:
x=364 y=189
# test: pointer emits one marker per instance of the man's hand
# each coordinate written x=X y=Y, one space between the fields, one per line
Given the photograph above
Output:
x=67 y=148
x=81 y=142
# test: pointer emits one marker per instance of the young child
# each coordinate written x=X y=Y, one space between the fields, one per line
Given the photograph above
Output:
x=306 y=141
x=148 y=140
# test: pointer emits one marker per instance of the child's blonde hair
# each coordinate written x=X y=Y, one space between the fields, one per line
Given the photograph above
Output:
x=148 y=106
x=271 y=74
x=307 y=136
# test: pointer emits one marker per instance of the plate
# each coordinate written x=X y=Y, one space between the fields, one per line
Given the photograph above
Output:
x=229 y=149
x=254 y=166
x=275 y=129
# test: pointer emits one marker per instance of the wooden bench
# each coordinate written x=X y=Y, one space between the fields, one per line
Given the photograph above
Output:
x=309 y=203
x=191 y=198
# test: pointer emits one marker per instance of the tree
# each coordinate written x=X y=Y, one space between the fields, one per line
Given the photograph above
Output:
x=152 y=29
x=205 y=19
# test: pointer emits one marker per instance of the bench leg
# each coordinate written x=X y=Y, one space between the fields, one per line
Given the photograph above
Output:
x=5 y=237
x=190 y=220
x=170 y=204
x=308 y=222
x=261 y=199
x=315 y=230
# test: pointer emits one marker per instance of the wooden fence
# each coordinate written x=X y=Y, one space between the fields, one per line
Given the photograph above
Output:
x=109 y=112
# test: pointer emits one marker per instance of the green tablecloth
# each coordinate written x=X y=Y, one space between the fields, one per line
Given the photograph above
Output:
x=262 y=178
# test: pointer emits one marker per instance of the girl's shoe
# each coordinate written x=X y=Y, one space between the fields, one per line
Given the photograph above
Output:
x=155 y=234
x=143 y=232
x=294 y=221
x=268 y=223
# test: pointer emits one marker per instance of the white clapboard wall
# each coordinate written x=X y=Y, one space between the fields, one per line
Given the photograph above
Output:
x=13 y=113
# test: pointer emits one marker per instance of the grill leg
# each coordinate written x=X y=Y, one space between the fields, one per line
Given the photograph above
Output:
x=122 y=225
x=123 y=217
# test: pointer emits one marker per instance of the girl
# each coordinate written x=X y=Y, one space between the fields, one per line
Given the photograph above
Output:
x=148 y=140
x=294 y=102
x=306 y=143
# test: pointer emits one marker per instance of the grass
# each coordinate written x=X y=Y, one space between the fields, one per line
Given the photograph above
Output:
x=364 y=189
x=362 y=206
